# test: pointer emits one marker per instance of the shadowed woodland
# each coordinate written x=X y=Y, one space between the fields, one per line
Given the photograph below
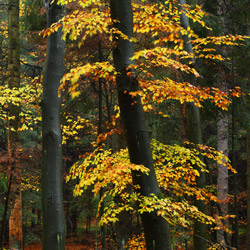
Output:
x=124 y=124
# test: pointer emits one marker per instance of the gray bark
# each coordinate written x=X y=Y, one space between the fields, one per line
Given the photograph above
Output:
x=156 y=229
x=52 y=196
x=222 y=135
x=222 y=180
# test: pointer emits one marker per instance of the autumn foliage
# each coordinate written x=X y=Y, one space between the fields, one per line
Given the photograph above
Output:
x=159 y=48
x=160 y=64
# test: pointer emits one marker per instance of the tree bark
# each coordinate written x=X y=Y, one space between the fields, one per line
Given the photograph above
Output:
x=222 y=180
x=156 y=229
x=123 y=230
x=222 y=141
x=52 y=195
x=235 y=224
x=248 y=189
x=100 y=124
x=5 y=213
x=15 y=199
x=195 y=136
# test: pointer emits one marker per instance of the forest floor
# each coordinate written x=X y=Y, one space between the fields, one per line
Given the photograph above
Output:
x=89 y=243
x=73 y=243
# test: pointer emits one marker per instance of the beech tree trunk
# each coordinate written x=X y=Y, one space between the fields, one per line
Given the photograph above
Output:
x=15 y=199
x=222 y=180
x=52 y=195
x=195 y=136
x=222 y=141
x=155 y=228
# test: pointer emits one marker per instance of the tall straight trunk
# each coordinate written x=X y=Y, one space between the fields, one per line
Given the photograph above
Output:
x=248 y=190
x=156 y=229
x=5 y=213
x=222 y=179
x=222 y=141
x=100 y=124
x=235 y=224
x=52 y=194
x=195 y=136
x=15 y=199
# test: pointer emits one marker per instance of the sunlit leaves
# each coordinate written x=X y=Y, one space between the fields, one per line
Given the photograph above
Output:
x=83 y=24
x=205 y=48
x=27 y=97
x=213 y=154
x=221 y=40
x=103 y=70
x=83 y=3
x=156 y=20
x=137 y=242
x=156 y=91
x=90 y=22
x=164 y=58
x=180 y=213
x=73 y=126
x=176 y=173
x=160 y=62
x=102 y=168
x=30 y=182
x=164 y=52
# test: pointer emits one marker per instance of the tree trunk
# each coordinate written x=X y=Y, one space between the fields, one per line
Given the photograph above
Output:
x=123 y=230
x=195 y=136
x=52 y=195
x=248 y=189
x=155 y=228
x=100 y=121
x=5 y=213
x=15 y=204
x=235 y=224
x=222 y=180
x=222 y=135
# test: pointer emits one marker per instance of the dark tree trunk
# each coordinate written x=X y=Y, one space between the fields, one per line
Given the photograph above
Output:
x=52 y=195
x=5 y=214
x=123 y=230
x=195 y=136
x=235 y=224
x=155 y=228
x=15 y=198
x=100 y=124
x=248 y=189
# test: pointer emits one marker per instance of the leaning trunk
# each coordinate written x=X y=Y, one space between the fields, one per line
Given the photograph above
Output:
x=15 y=199
x=195 y=136
x=155 y=228
x=52 y=196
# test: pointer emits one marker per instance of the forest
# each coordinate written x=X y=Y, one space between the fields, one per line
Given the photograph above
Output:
x=124 y=124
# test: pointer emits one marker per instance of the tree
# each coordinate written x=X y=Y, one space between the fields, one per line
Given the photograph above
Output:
x=248 y=188
x=222 y=135
x=156 y=229
x=194 y=134
x=160 y=53
x=15 y=206
x=52 y=196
